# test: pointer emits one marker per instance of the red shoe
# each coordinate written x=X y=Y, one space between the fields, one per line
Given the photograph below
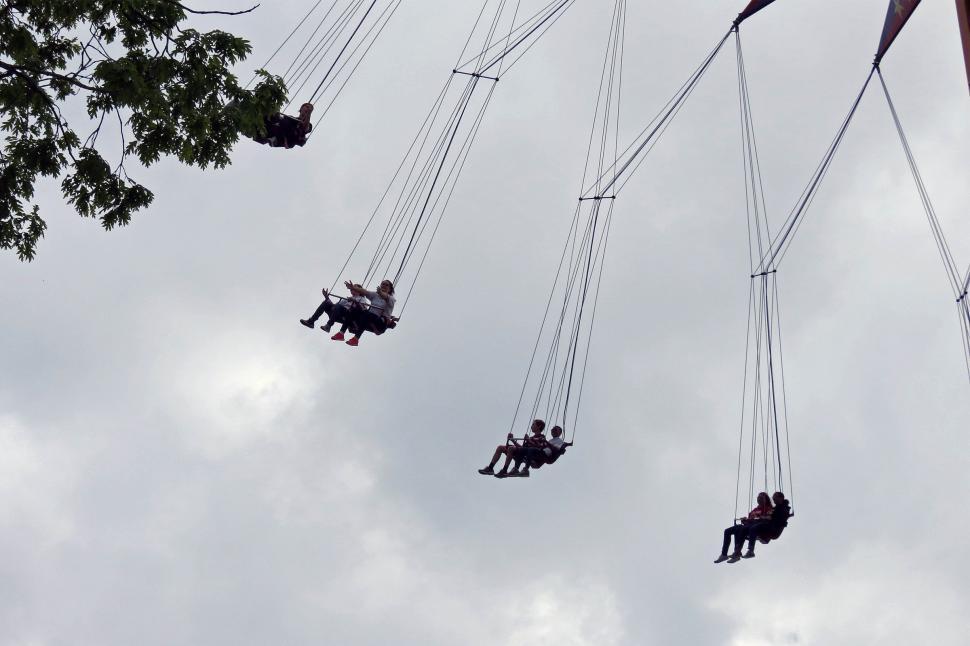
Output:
x=353 y=341
x=339 y=336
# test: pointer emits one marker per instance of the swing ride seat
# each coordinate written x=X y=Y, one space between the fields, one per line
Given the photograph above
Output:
x=369 y=324
x=343 y=312
x=284 y=131
x=532 y=464
x=551 y=459
x=329 y=50
x=536 y=463
x=774 y=535
x=350 y=314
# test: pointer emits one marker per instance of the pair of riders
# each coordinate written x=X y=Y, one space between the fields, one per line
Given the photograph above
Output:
x=284 y=131
x=363 y=311
x=531 y=451
x=765 y=523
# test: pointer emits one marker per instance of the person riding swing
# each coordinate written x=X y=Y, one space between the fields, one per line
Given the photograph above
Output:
x=377 y=318
x=535 y=457
x=529 y=452
x=536 y=440
x=363 y=311
x=739 y=531
x=284 y=131
x=765 y=523
x=343 y=312
x=339 y=312
x=770 y=528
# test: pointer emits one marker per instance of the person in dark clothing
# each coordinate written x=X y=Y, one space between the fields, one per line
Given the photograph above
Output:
x=771 y=528
x=284 y=131
x=522 y=457
x=740 y=531
x=509 y=449
x=345 y=312
x=536 y=456
x=529 y=452
x=377 y=316
x=341 y=312
x=363 y=311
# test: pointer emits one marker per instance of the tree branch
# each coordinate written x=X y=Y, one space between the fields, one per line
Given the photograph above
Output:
x=17 y=69
x=59 y=121
x=223 y=13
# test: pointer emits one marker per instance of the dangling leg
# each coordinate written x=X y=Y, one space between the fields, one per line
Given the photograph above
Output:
x=324 y=308
x=338 y=314
x=274 y=131
x=326 y=326
x=740 y=533
x=339 y=336
x=355 y=322
x=489 y=470
x=511 y=454
x=728 y=533
x=258 y=137
x=526 y=456
x=286 y=131
x=344 y=316
x=752 y=536
x=364 y=321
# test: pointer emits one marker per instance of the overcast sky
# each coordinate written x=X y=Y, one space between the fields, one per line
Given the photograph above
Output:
x=183 y=464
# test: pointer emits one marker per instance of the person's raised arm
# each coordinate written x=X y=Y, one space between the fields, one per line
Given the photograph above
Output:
x=354 y=289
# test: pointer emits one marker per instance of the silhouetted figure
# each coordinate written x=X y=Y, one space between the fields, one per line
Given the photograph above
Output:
x=284 y=131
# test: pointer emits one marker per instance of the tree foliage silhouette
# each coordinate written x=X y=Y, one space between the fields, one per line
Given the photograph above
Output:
x=134 y=78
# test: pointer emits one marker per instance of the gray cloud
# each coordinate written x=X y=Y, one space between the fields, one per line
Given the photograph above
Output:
x=182 y=463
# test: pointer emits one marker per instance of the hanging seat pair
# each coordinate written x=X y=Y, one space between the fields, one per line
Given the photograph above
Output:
x=336 y=44
x=363 y=311
x=284 y=131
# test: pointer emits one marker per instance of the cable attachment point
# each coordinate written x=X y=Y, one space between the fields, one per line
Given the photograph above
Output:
x=963 y=297
x=764 y=273
x=476 y=75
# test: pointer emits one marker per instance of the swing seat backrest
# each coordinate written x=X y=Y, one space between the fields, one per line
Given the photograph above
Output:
x=535 y=463
x=771 y=536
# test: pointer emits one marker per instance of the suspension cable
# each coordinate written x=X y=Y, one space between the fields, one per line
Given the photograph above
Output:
x=782 y=240
x=768 y=440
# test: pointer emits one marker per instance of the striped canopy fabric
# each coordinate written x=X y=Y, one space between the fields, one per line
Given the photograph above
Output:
x=753 y=7
x=963 y=12
x=896 y=17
